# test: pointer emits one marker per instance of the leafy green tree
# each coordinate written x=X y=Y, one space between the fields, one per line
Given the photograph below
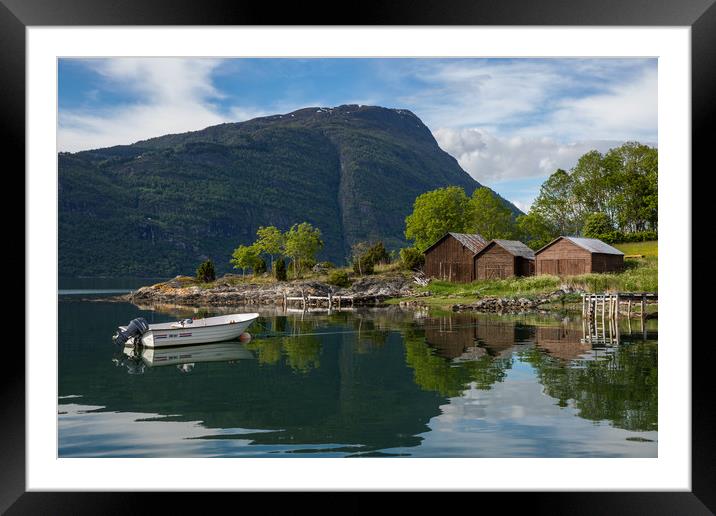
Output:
x=378 y=253
x=260 y=266
x=270 y=241
x=597 y=225
x=556 y=204
x=280 y=270
x=412 y=258
x=205 y=272
x=534 y=230
x=361 y=258
x=436 y=213
x=489 y=216
x=245 y=257
x=635 y=167
x=302 y=243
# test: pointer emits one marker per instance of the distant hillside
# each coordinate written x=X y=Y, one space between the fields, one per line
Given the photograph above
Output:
x=160 y=206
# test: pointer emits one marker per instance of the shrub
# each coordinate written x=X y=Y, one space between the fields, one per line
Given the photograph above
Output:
x=260 y=266
x=412 y=258
x=339 y=278
x=364 y=264
x=206 y=273
x=378 y=254
x=279 y=268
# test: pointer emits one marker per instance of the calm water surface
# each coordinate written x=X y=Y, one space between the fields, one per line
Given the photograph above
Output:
x=381 y=382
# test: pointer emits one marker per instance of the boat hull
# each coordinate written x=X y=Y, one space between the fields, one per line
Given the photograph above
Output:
x=161 y=338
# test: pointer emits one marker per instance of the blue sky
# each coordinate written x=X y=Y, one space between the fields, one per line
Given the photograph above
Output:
x=509 y=122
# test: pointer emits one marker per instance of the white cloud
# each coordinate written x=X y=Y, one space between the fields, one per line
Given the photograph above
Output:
x=173 y=95
x=482 y=93
x=490 y=159
x=625 y=111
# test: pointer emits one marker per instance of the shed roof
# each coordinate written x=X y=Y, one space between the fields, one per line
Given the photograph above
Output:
x=593 y=245
x=514 y=247
x=473 y=242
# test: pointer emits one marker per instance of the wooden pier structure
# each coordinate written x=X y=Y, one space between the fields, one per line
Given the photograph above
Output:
x=305 y=301
x=612 y=304
x=600 y=314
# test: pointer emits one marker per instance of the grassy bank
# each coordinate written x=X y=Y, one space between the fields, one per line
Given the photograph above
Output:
x=639 y=275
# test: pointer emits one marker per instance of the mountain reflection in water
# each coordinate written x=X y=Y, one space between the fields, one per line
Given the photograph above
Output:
x=378 y=382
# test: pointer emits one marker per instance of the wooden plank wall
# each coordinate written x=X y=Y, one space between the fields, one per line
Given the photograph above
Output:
x=563 y=259
x=450 y=261
x=495 y=263
x=607 y=262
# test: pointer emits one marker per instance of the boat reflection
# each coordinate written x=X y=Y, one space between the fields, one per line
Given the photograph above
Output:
x=184 y=358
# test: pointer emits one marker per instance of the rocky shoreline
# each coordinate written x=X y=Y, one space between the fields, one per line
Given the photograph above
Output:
x=366 y=291
x=521 y=304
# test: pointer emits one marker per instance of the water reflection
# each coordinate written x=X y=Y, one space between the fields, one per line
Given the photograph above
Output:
x=366 y=382
x=135 y=359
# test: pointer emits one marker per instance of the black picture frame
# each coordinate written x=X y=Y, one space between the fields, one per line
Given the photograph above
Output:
x=700 y=15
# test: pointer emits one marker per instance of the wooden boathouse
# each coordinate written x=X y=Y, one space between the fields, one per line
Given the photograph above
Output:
x=569 y=256
x=451 y=258
x=504 y=258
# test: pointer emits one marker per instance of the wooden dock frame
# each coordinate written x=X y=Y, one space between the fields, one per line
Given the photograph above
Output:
x=608 y=307
x=612 y=302
x=306 y=301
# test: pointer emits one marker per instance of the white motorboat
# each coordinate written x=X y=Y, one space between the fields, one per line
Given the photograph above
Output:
x=186 y=332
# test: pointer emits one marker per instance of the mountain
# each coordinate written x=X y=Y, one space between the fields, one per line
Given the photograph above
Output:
x=160 y=206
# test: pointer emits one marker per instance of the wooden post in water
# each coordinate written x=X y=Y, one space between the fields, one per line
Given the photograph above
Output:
x=330 y=300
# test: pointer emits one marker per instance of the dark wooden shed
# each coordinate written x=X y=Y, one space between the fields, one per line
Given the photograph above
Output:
x=504 y=258
x=568 y=256
x=451 y=257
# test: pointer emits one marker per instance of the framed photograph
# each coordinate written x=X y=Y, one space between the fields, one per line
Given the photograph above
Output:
x=259 y=245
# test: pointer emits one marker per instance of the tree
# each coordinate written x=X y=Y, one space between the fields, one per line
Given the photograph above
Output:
x=302 y=243
x=378 y=253
x=361 y=258
x=260 y=266
x=280 y=270
x=534 y=230
x=245 y=257
x=436 y=213
x=556 y=204
x=489 y=216
x=412 y=258
x=597 y=225
x=270 y=241
x=635 y=167
x=205 y=272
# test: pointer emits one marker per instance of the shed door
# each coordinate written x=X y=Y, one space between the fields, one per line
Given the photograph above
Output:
x=572 y=266
x=495 y=272
x=548 y=267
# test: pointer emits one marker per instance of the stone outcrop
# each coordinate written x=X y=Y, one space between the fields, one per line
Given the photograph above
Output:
x=514 y=304
x=369 y=290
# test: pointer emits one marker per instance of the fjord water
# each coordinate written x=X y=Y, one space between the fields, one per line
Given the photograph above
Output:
x=372 y=382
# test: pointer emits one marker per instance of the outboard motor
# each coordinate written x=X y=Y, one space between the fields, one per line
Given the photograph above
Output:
x=136 y=328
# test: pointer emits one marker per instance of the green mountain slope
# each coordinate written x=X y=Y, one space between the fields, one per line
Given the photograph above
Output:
x=160 y=206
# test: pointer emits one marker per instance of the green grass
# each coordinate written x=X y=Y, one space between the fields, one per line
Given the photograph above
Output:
x=639 y=275
x=648 y=249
